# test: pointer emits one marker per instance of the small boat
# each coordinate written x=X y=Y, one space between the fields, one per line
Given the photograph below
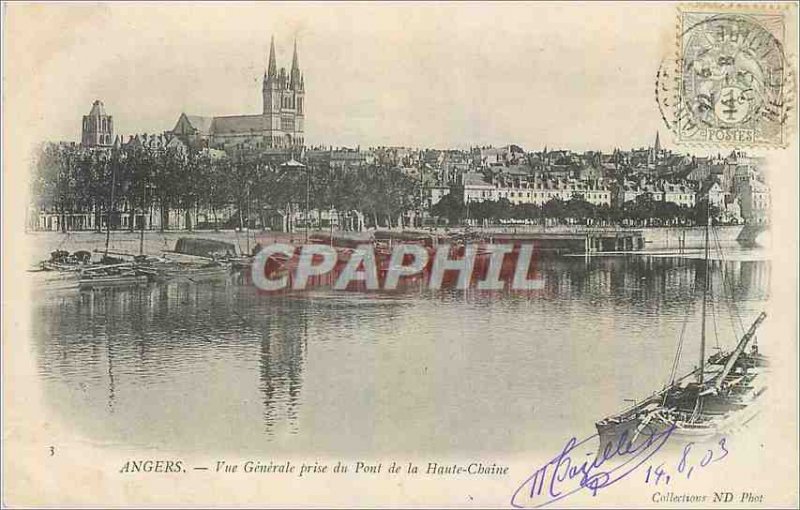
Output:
x=47 y=279
x=204 y=248
x=710 y=401
x=66 y=270
x=197 y=257
x=111 y=275
x=703 y=404
x=62 y=260
x=198 y=272
x=240 y=263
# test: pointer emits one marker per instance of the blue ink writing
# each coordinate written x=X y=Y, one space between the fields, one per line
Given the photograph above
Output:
x=685 y=467
x=565 y=474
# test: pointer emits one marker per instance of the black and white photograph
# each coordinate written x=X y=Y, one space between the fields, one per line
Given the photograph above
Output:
x=400 y=255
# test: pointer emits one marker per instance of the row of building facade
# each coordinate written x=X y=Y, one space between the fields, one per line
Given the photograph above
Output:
x=734 y=182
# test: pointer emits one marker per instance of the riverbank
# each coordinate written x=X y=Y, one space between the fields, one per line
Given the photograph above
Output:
x=41 y=244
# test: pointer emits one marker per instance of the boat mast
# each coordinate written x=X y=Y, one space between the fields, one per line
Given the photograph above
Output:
x=247 y=232
x=308 y=199
x=111 y=204
x=706 y=280
x=739 y=350
x=141 y=232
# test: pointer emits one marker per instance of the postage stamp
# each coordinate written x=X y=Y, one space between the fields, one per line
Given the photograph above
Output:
x=732 y=80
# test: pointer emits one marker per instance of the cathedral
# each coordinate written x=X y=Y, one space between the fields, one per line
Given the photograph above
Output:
x=97 y=129
x=279 y=126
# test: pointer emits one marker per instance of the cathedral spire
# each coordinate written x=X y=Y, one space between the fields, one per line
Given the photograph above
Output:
x=295 y=62
x=272 y=68
x=658 y=144
x=295 y=73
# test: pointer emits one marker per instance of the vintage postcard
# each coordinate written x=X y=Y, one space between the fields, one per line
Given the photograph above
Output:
x=400 y=255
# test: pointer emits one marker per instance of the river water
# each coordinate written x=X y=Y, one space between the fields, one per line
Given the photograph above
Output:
x=218 y=367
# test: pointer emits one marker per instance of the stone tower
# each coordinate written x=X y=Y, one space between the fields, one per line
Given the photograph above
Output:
x=98 y=127
x=284 y=98
x=655 y=151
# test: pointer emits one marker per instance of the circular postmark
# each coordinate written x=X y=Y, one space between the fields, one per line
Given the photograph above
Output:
x=730 y=84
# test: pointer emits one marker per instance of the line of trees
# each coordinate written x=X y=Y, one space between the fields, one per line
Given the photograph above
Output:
x=644 y=211
x=241 y=189
x=245 y=188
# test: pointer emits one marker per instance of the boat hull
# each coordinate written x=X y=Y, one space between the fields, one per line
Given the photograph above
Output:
x=720 y=416
x=55 y=280
x=111 y=281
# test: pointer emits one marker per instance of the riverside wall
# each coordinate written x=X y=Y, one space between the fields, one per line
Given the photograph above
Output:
x=658 y=238
x=40 y=244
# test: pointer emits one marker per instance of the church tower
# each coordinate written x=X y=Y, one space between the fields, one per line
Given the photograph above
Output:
x=284 y=97
x=270 y=92
x=655 y=151
x=98 y=127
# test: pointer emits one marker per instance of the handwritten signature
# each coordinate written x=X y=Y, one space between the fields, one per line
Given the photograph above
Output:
x=565 y=474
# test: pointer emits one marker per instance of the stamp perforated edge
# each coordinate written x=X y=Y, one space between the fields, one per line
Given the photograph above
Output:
x=790 y=123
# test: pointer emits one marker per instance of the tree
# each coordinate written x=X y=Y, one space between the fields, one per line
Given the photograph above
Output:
x=451 y=207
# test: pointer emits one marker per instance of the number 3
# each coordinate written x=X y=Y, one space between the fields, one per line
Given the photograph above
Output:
x=52 y=450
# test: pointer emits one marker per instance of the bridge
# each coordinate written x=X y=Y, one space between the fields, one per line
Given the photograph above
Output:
x=585 y=241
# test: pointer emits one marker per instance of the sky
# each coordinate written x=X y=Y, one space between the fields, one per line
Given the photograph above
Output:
x=407 y=74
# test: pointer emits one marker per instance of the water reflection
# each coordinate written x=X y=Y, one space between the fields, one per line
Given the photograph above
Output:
x=283 y=345
x=218 y=365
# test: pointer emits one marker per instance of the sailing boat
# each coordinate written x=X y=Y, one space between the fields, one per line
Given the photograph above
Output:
x=713 y=399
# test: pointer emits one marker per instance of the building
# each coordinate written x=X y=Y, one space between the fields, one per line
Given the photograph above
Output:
x=436 y=194
x=753 y=195
x=535 y=191
x=681 y=194
x=539 y=192
x=280 y=125
x=397 y=156
x=339 y=159
x=476 y=189
x=98 y=127
x=509 y=154
x=716 y=197
x=655 y=151
x=626 y=191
